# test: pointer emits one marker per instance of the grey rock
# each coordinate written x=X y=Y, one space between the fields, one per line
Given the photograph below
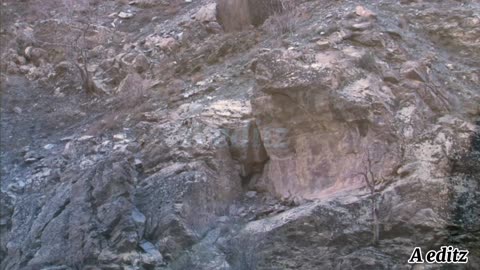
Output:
x=151 y=250
x=359 y=141
x=48 y=146
x=125 y=15
x=17 y=110
x=251 y=194
x=138 y=217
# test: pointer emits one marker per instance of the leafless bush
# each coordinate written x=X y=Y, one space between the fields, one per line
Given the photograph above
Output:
x=373 y=181
x=69 y=34
x=284 y=20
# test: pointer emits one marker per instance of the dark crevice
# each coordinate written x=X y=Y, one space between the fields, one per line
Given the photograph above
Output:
x=55 y=215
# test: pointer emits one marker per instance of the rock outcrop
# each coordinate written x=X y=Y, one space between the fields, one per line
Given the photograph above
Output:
x=242 y=14
x=239 y=135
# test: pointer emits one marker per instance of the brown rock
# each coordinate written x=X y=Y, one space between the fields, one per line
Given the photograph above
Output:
x=132 y=83
x=391 y=76
x=20 y=60
x=364 y=12
x=35 y=55
x=167 y=43
x=207 y=13
x=414 y=71
x=236 y=15
x=140 y=63
x=307 y=119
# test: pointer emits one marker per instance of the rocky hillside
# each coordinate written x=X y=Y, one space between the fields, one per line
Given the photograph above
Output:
x=238 y=134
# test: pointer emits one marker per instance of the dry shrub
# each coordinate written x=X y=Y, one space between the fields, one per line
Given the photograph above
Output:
x=284 y=21
x=130 y=100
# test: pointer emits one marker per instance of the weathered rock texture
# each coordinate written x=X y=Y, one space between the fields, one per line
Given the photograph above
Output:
x=228 y=136
x=241 y=14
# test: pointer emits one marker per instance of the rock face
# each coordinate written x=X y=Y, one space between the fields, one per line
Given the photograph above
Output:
x=88 y=211
x=342 y=143
x=311 y=113
x=241 y=14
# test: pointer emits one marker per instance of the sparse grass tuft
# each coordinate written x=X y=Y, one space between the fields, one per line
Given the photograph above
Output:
x=284 y=21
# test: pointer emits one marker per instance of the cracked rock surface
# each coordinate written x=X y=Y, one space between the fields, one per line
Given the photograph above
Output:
x=238 y=135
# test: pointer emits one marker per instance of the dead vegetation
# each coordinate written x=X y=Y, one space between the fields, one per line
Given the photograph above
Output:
x=69 y=38
x=285 y=19
x=128 y=104
x=374 y=182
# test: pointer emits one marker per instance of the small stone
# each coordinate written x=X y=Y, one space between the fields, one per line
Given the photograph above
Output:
x=85 y=138
x=151 y=249
x=364 y=12
x=120 y=147
x=178 y=207
x=58 y=93
x=223 y=219
x=30 y=157
x=138 y=163
x=66 y=139
x=49 y=146
x=251 y=194
x=323 y=44
x=14 y=187
x=20 y=60
x=201 y=83
x=17 y=110
x=138 y=217
x=119 y=137
x=413 y=70
x=207 y=13
x=140 y=63
x=391 y=77
x=125 y=15
x=361 y=26
x=240 y=210
x=35 y=54
x=407 y=169
x=168 y=43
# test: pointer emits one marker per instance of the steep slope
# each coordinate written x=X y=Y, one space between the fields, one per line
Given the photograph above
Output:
x=332 y=135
